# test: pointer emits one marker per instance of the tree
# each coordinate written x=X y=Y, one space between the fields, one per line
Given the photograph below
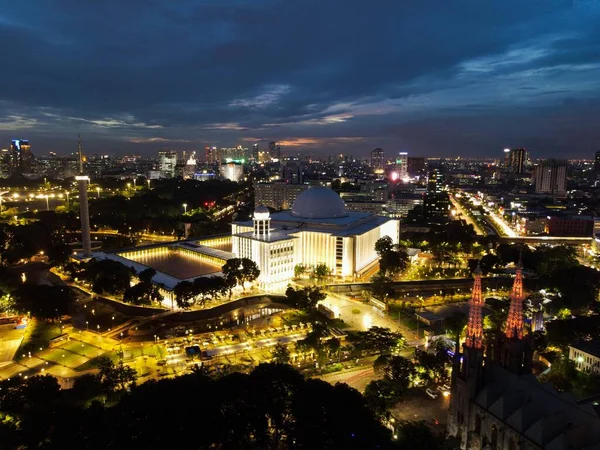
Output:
x=299 y=270
x=305 y=299
x=240 y=270
x=44 y=302
x=381 y=340
x=184 y=294
x=107 y=276
x=281 y=354
x=382 y=287
x=562 y=374
x=146 y=275
x=384 y=245
x=321 y=272
x=113 y=376
x=380 y=396
x=390 y=261
x=400 y=371
x=420 y=436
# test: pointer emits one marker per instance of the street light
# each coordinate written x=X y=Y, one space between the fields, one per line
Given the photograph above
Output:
x=148 y=181
x=98 y=190
x=185 y=208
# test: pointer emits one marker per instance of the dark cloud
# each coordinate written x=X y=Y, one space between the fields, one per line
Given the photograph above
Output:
x=430 y=77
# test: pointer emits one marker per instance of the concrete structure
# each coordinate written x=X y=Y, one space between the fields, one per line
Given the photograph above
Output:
x=570 y=226
x=277 y=195
x=167 y=161
x=586 y=356
x=551 y=178
x=84 y=211
x=232 y=171
x=317 y=230
x=377 y=160
x=402 y=165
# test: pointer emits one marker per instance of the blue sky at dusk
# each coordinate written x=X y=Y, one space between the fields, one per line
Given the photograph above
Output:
x=435 y=78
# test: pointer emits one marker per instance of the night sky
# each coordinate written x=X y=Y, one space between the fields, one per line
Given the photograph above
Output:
x=434 y=78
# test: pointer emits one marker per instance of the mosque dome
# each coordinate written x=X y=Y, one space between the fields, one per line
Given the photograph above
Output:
x=319 y=203
x=261 y=212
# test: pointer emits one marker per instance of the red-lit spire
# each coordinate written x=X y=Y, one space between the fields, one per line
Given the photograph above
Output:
x=475 y=326
x=514 y=323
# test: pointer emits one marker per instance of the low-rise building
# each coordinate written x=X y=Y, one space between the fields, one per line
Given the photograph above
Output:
x=586 y=356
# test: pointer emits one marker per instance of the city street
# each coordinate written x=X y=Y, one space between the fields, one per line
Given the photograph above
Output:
x=363 y=316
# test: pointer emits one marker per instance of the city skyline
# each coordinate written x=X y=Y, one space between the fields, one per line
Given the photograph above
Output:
x=431 y=79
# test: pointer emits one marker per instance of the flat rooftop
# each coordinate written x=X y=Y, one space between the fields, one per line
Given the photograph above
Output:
x=177 y=265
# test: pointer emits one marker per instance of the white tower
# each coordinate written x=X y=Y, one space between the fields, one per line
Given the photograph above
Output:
x=262 y=222
x=84 y=212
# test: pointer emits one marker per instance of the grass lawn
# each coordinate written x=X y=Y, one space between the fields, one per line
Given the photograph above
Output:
x=37 y=335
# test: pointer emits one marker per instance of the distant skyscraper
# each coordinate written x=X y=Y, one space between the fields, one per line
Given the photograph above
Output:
x=402 y=165
x=167 y=161
x=275 y=150
x=416 y=165
x=377 y=161
x=515 y=160
x=291 y=171
x=597 y=162
x=255 y=153
x=211 y=155
x=21 y=158
x=551 y=178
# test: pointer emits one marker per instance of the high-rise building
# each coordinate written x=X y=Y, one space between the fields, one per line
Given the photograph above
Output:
x=275 y=150
x=21 y=158
x=255 y=153
x=291 y=171
x=233 y=171
x=211 y=155
x=167 y=162
x=416 y=166
x=377 y=161
x=515 y=160
x=277 y=195
x=435 y=181
x=597 y=162
x=551 y=178
x=402 y=165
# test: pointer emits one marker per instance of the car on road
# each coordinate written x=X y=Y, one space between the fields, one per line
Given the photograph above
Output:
x=444 y=389
x=431 y=393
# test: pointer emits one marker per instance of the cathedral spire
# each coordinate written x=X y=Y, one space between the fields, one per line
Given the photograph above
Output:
x=514 y=323
x=475 y=325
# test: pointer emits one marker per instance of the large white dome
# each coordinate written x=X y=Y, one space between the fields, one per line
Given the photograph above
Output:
x=319 y=203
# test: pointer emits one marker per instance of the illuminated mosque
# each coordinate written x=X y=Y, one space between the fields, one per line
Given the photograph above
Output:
x=317 y=230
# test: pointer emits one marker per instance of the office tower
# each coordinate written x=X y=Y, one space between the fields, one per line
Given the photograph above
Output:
x=84 y=213
x=291 y=171
x=255 y=153
x=435 y=181
x=416 y=165
x=402 y=165
x=275 y=150
x=515 y=160
x=377 y=161
x=233 y=171
x=211 y=155
x=21 y=158
x=167 y=161
x=597 y=162
x=551 y=178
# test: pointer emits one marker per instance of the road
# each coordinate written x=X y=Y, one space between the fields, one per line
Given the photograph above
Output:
x=466 y=216
x=362 y=316
x=356 y=378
